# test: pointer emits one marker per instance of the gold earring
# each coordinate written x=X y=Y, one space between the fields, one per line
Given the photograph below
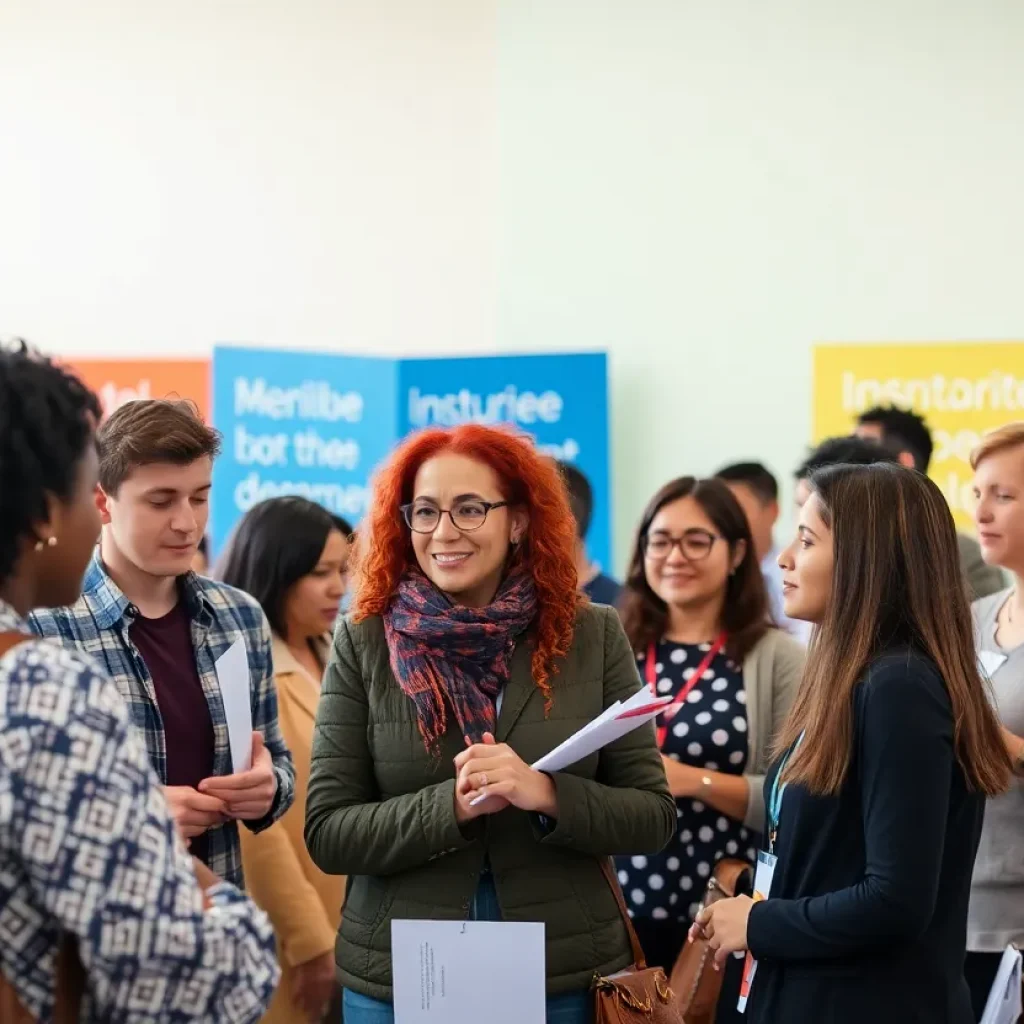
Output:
x=50 y=542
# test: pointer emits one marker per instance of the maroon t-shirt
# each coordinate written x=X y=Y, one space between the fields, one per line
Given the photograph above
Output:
x=166 y=648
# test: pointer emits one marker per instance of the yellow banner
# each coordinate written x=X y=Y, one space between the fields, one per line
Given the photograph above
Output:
x=962 y=389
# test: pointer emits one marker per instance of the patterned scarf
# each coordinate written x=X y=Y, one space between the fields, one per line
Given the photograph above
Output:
x=443 y=652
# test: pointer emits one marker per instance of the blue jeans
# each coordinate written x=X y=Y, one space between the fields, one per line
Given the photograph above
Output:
x=575 y=1008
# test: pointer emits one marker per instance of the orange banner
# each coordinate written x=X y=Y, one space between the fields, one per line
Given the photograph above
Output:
x=117 y=381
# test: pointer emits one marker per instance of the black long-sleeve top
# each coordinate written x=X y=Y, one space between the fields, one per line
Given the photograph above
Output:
x=867 y=915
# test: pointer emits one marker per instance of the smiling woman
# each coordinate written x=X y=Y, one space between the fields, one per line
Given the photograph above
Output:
x=468 y=655
x=696 y=612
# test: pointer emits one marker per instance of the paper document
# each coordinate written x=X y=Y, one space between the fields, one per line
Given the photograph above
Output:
x=233 y=678
x=465 y=972
x=613 y=723
x=1004 y=1001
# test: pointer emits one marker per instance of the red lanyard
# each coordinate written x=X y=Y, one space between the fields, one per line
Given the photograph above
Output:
x=651 y=674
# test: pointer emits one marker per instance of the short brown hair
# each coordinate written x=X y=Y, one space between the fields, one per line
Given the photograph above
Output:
x=998 y=440
x=152 y=430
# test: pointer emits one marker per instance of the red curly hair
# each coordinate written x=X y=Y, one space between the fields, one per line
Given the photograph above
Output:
x=384 y=546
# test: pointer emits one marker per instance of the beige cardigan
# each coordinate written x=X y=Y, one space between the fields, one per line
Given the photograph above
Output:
x=304 y=904
x=771 y=675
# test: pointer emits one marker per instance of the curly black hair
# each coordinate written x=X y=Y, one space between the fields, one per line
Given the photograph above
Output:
x=843 y=451
x=47 y=419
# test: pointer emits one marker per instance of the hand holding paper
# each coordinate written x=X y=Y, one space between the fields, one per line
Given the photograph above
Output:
x=496 y=771
x=247 y=795
x=612 y=724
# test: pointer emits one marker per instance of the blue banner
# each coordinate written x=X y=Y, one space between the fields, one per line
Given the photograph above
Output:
x=302 y=423
x=317 y=424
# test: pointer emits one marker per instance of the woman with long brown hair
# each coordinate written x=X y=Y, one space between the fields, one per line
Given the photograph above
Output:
x=467 y=656
x=876 y=800
x=695 y=610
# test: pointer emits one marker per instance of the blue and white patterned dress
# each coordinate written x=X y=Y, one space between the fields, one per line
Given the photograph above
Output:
x=88 y=848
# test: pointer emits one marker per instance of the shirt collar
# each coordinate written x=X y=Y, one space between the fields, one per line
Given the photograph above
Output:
x=285 y=661
x=109 y=605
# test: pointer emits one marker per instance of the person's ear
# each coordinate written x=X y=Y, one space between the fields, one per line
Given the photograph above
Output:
x=103 y=504
x=906 y=460
x=519 y=522
x=739 y=552
x=773 y=510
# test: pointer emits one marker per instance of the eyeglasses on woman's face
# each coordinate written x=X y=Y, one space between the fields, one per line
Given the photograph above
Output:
x=695 y=544
x=423 y=516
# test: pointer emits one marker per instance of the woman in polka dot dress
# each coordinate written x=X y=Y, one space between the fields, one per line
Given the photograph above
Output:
x=696 y=613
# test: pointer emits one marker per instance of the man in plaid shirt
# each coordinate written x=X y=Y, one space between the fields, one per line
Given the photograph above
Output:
x=158 y=629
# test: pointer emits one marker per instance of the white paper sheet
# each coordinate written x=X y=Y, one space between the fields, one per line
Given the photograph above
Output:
x=1004 y=1001
x=235 y=688
x=468 y=972
x=612 y=724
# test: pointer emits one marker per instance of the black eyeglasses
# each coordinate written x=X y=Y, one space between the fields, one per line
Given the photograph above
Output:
x=695 y=544
x=467 y=516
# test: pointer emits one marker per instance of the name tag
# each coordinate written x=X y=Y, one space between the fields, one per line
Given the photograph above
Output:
x=762 y=890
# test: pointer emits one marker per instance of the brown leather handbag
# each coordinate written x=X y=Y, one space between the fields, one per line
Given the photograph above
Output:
x=639 y=993
x=70 y=975
x=695 y=982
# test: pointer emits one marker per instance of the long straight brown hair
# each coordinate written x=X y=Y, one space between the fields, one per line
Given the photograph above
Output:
x=745 y=616
x=896 y=582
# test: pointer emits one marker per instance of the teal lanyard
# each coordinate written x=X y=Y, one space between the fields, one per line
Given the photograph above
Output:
x=777 y=793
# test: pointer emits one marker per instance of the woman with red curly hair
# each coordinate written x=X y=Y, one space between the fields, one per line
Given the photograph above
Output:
x=468 y=654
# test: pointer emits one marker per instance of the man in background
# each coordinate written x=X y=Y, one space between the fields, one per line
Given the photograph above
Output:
x=600 y=588
x=838 y=451
x=907 y=436
x=757 y=492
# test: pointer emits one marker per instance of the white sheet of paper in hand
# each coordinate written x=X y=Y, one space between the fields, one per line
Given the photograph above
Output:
x=463 y=972
x=235 y=691
x=612 y=724
x=1004 y=1001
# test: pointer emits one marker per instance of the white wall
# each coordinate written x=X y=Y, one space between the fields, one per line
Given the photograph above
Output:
x=704 y=189
x=709 y=188
x=307 y=172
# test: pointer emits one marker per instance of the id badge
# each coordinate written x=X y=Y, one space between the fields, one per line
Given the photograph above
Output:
x=763 y=876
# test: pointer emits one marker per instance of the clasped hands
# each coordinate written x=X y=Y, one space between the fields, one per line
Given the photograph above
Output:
x=497 y=773
x=724 y=925
x=247 y=795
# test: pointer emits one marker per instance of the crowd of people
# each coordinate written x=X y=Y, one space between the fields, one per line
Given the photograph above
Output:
x=839 y=714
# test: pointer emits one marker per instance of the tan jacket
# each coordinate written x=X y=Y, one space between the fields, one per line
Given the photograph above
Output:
x=303 y=903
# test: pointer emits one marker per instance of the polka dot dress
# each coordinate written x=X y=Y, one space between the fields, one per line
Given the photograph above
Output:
x=708 y=731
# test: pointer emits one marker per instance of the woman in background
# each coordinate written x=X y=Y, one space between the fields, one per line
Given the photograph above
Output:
x=292 y=556
x=695 y=610
x=996 y=916
x=467 y=656
x=877 y=800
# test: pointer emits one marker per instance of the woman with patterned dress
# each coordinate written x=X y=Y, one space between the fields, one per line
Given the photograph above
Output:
x=696 y=613
x=90 y=857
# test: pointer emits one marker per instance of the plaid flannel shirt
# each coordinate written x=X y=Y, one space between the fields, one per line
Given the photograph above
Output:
x=98 y=624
